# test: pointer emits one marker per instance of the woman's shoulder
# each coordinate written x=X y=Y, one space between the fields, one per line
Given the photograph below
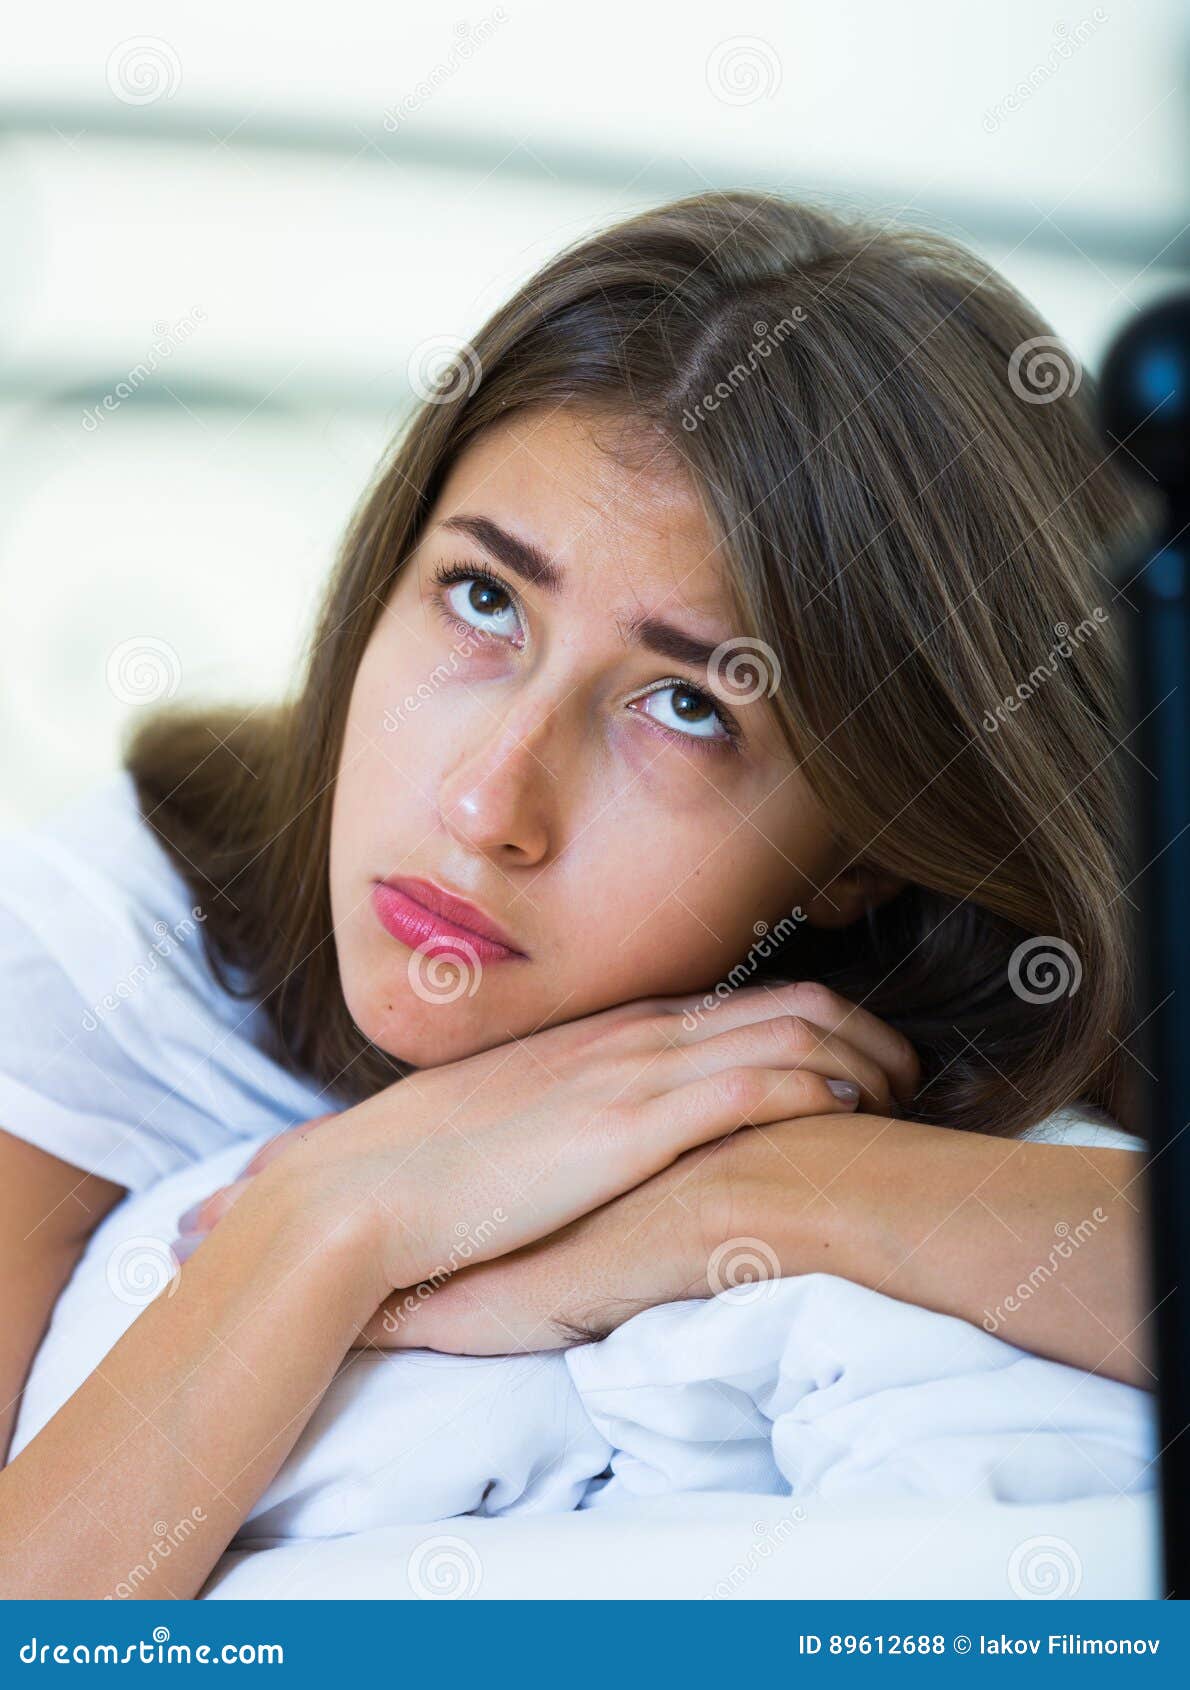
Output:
x=123 y=1053
x=1081 y=1124
x=92 y=884
x=105 y=818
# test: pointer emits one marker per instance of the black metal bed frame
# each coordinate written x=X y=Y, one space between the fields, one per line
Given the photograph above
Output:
x=1145 y=395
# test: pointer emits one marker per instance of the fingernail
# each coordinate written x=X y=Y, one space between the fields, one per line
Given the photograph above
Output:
x=188 y=1221
x=183 y=1248
x=844 y=1090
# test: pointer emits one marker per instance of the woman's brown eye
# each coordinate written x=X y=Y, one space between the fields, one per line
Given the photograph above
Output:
x=683 y=709
x=485 y=605
x=690 y=706
x=486 y=599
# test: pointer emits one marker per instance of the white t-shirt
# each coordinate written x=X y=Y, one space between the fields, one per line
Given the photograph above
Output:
x=119 y=1051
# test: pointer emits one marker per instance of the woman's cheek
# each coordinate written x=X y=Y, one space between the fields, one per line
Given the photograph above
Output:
x=673 y=780
x=656 y=914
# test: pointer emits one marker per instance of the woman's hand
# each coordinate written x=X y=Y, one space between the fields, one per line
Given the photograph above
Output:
x=197 y=1221
x=652 y=1245
x=746 y=1208
x=478 y=1158
x=961 y=1223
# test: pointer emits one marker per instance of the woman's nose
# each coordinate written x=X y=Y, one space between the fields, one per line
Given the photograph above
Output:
x=500 y=796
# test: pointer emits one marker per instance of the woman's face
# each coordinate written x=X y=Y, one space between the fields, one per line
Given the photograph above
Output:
x=531 y=733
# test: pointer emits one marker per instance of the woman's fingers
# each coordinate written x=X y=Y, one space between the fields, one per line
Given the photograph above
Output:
x=787 y=1041
x=813 y=1002
x=274 y=1146
x=262 y=1157
x=541 y=1170
x=199 y=1220
x=715 y=1106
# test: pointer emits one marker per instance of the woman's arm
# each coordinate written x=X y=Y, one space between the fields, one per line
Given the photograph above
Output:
x=189 y=1416
x=48 y=1210
x=187 y=1419
x=1041 y=1244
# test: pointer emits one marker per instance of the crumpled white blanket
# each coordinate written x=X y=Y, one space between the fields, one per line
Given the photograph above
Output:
x=805 y=1386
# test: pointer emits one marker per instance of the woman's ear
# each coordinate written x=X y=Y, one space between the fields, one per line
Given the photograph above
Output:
x=851 y=894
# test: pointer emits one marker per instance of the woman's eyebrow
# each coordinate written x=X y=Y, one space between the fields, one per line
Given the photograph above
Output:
x=668 y=641
x=540 y=570
x=526 y=560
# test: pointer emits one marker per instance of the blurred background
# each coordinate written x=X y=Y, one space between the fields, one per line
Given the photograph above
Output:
x=238 y=238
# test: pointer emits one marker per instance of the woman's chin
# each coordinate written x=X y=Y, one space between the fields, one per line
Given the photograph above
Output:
x=426 y=1035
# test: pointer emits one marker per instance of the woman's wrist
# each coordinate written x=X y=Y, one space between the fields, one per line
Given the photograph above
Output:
x=294 y=1201
x=794 y=1190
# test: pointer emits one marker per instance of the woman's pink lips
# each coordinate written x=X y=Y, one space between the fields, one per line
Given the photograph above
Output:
x=432 y=931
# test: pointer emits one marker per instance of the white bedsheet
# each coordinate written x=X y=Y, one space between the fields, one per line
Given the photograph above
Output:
x=731 y=1548
x=810 y=1387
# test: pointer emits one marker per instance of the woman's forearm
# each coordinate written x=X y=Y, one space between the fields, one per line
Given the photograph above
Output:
x=1043 y=1245
x=184 y=1423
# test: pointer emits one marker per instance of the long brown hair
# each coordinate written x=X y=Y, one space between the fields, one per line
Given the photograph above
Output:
x=905 y=466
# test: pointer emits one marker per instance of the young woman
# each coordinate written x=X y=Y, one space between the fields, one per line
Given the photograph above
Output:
x=707 y=742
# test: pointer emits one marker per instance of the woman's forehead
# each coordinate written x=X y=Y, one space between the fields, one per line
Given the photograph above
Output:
x=608 y=521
